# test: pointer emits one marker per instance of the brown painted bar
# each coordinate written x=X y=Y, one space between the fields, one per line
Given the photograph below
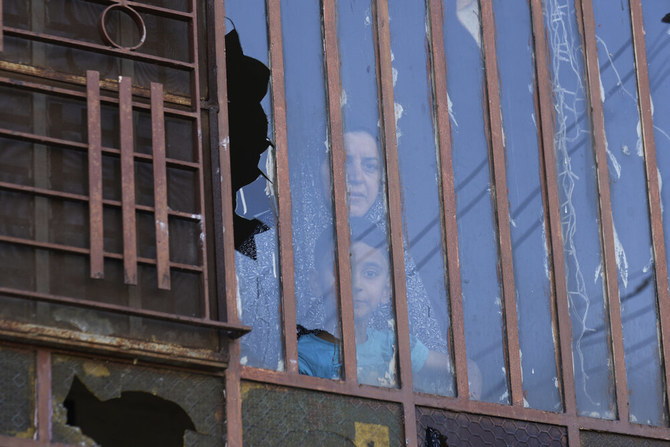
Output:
x=44 y=192
x=1 y=25
x=225 y=267
x=340 y=210
x=43 y=386
x=41 y=139
x=99 y=49
x=196 y=137
x=59 y=91
x=573 y=423
x=448 y=198
x=587 y=28
x=86 y=251
x=128 y=181
x=555 y=242
x=502 y=205
x=655 y=209
x=283 y=188
x=397 y=252
x=160 y=187
x=97 y=264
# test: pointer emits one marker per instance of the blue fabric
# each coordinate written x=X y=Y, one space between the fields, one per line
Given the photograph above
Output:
x=374 y=358
x=318 y=357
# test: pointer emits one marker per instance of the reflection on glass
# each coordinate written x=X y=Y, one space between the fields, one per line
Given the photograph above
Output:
x=365 y=190
x=529 y=243
x=256 y=255
x=577 y=188
x=476 y=223
x=657 y=37
x=317 y=309
x=415 y=135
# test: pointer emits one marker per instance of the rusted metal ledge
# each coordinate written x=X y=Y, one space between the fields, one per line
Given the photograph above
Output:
x=230 y=330
x=555 y=238
x=127 y=182
x=587 y=28
x=653 y=189
x=99 y=49
x=341 y=214
x=448 y=198
x=95 y=175
x=511 y=332
x=30 y=336
x=285 y=232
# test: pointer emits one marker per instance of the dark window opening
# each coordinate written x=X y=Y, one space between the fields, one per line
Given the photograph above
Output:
x=135 y=419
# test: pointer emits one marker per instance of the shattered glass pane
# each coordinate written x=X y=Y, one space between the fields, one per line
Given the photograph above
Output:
x=578 y=193
x=632 y=226
x=374 y=320
x=532 y=276
x=416 y=139
x=477 y=236
x=311 y=186
x=256 y=255
x=17 y=393
x=105 y=398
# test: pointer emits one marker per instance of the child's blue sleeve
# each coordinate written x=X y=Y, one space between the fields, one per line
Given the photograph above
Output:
x=318 y=358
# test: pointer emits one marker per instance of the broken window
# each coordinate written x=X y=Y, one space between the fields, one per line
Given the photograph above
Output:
x=108 y=404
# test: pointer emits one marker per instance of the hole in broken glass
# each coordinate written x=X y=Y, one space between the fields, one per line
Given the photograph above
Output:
x=136 y=418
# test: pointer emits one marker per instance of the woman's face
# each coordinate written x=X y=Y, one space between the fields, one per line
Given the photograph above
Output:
x=363 y=172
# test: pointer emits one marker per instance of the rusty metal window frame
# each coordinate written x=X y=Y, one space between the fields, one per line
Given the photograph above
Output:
x=405 y=395
x=91 y=91
x=569 y=418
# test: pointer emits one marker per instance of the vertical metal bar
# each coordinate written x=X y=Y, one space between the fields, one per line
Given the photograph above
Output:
x=283 y=188
x=545 y=95
x=587 y=27
x=448 y=197
x=160 y=186
x=502 y=206
x=128 y=181
x=339 y=190
x=221 y=172
x=655 y=211
x=196 y=137
x=97 y=261
x=1 y=33
x=225 y=207
x=384 y=74
x=43 y=379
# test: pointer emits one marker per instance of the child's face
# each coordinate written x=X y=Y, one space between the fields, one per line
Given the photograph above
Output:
x=369 y=278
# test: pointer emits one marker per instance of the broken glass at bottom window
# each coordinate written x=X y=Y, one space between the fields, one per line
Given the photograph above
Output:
x=122 y=404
